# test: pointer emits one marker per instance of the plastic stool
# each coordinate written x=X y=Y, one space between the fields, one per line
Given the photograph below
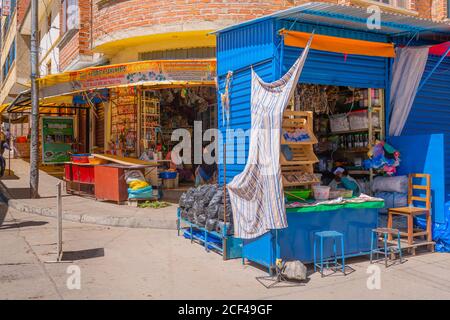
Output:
x=385 y=232
x=334 y=235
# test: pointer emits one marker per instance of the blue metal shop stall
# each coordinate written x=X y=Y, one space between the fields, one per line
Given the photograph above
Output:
x=262 y=45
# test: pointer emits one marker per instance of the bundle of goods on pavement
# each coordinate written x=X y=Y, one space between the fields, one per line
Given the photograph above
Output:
x=204 y=206
x=138 y=187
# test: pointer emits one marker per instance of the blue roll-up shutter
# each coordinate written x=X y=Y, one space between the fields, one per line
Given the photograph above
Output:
x=329 y=68
x=430 y=112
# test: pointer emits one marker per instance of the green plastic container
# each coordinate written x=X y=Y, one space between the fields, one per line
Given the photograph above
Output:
x=302 y=193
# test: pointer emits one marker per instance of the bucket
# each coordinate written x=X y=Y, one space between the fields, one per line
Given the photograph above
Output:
x=321 y=192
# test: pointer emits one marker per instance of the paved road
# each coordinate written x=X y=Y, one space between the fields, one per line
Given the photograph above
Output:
x=128 y=263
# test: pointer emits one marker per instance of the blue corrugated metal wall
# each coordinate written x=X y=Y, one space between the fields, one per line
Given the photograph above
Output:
x=240 y=117
x=430 y=112
x=244 y=46
x=330 y=68
x=238 y=49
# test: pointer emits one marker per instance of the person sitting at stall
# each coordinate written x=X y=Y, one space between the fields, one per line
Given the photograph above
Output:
x=342 y=180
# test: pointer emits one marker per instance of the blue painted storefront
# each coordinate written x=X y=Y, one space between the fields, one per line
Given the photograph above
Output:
x=296 y=242
x=257 y=44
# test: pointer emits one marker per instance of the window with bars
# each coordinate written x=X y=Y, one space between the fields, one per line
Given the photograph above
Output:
x=402 y=4
x=7 y=20
x=10 y=58
x=70 y=15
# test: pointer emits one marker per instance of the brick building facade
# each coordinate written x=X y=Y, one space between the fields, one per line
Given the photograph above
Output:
x=92 y=29
x=116 y=21
x=75 y=31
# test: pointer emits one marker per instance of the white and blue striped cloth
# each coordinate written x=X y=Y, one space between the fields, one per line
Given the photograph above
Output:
x=256 y=194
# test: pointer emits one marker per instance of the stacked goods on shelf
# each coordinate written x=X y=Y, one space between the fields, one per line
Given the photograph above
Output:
x=204 y=207
x=124 y=121
x=297 y=156
x=150 y=120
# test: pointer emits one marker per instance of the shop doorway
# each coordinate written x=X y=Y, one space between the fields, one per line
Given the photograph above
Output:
x=166 y=110
x=347 y=122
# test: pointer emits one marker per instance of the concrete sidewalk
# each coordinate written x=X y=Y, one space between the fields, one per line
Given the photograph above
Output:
x=15 y=190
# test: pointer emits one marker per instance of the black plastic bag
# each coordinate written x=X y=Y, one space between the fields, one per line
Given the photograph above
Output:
x=200 y=220
x=220 y=213
x=212 y=211
x=211 y=224
x=217 y=198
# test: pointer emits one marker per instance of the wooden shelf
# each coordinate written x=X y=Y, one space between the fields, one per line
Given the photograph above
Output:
x=303 y=156
x=349 y=131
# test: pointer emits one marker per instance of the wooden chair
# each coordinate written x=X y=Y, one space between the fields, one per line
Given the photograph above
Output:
x=411 y=211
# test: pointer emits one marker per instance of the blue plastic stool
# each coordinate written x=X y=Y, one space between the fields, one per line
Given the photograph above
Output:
x=334 y=235
x=384 y=250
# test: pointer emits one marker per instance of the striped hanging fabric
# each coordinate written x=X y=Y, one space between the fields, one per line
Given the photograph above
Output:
x=256 y=194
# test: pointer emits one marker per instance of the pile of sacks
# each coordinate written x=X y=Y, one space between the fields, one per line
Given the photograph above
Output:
x=138 y=187
x=393 y=190
x=204 y=207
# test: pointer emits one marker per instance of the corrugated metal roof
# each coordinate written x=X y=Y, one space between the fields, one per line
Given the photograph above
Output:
x=352 y=17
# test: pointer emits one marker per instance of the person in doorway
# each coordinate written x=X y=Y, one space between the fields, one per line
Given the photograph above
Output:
x=342 y=180
x=4 y=145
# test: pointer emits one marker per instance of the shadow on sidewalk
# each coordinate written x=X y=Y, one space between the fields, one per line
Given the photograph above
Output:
x=23 y=224
x=20 y=193
x=3 y=212
x=83 y=254
x=11 y=177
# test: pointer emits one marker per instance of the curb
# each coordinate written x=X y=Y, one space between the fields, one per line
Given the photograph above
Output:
x=112 y=221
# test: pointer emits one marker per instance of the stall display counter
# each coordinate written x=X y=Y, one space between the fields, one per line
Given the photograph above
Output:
x=79 y=178
x=110 y=184
x=354 y=220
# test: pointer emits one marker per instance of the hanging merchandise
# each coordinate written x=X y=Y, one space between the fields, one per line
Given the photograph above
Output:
x=255 y=193
x=225 y=99
x=383 y=156
x=123 y=122
x=311 y=97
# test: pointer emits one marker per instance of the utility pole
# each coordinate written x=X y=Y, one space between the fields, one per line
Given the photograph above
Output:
x=34 y=147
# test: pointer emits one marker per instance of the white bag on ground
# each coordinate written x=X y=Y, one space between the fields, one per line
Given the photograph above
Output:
x=390 y=184
x=294 y=270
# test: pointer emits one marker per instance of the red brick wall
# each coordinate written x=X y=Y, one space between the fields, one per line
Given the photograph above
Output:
x=423 y=7
x=69 y=52
x=439 y=10
x=22 y=8
x=80 y=42
x=112 y=16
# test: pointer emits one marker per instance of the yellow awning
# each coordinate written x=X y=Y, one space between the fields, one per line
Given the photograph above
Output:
x=143 y=73
x=339 y=45
x=3 y=107
x=23 y=104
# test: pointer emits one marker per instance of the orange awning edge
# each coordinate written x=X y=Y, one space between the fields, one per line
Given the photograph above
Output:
x=339 y=45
